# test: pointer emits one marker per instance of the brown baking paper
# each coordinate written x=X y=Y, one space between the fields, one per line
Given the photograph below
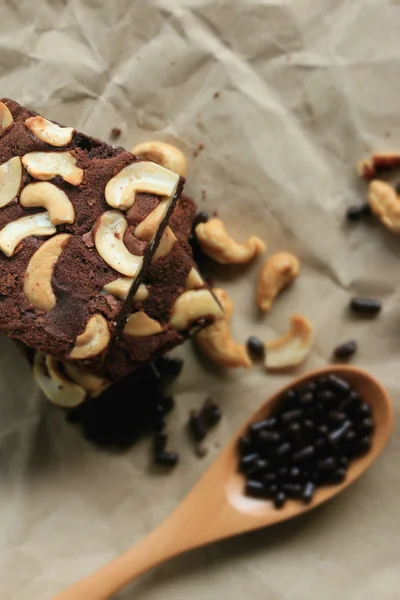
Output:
x=278 y=100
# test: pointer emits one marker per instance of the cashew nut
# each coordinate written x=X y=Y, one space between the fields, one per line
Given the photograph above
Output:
x=292 y=348
x=13 y=233
x=377 y=162
x=142 y=176
x=278 y=271
x=49 y=132
x=108 y=239
x=119 y=287
x=142 y=293
x=10 y=180
x=53 y=383
x=6 y=118
x=166 y=244
x=218 y=245
x=93 y=384
x=37 y=283
x=54 y=200
x=47 y=165
x=93 y=340
x=194 y=280
x=216 y=340
x=147 y=229
x=192 y=306
x=385 y=204
x=141 y=325
x=163 y=154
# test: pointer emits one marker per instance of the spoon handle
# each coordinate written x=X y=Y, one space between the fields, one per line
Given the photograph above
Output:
x=203 y=516
x=161 y=544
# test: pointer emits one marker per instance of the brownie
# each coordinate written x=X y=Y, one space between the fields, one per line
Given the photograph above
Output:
x=168 y=278
x=75 y=215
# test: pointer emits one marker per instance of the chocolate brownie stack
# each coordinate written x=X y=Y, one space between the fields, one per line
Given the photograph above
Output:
x=97 y=278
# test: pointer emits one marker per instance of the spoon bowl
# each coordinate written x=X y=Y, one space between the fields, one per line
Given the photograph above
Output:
x=370 y=390
x=217 y=506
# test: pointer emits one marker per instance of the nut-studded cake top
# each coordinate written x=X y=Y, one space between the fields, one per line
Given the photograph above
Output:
x=75 y=215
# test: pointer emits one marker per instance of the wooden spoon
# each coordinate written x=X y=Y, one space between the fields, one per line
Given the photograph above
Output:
x=217 y=508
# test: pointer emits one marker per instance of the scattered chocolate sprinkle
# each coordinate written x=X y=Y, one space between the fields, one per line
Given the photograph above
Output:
x=211 y=412
x=345 y=350
x=166 y=459
x=366 y=306
x=255 y=348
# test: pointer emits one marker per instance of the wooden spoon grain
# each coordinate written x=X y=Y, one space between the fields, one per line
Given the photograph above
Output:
x=217 y=507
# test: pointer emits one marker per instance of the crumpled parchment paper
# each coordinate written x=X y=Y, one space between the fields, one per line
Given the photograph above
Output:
x=285 y=96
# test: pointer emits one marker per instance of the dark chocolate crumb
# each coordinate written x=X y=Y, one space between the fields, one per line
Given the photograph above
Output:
x=196 y=426
x=201 y=450
x=113 y=422
x=216 y=94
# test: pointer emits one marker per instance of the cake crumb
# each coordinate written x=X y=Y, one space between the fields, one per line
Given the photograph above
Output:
x=216 y=94
x=115 y=132
x=199 y=148
x=203 y=194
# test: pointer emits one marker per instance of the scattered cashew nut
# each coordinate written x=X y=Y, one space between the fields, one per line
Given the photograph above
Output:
x=385 y=204
x=163 y=154
x=192 y=306
x=142 y=176
x=377 y=162
x=216 y=340
x=108 y=239
x=10 y=180
x=37 y=284
x=141 y=325
x=15 y=231
x=93 y=340
x=49 y=132
x=93 y=384
x=47 y=165
x=218 y=245
x=6 y=118
x=277 y=272
x=59 y=389
x=292 y=348
x=54 y=200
